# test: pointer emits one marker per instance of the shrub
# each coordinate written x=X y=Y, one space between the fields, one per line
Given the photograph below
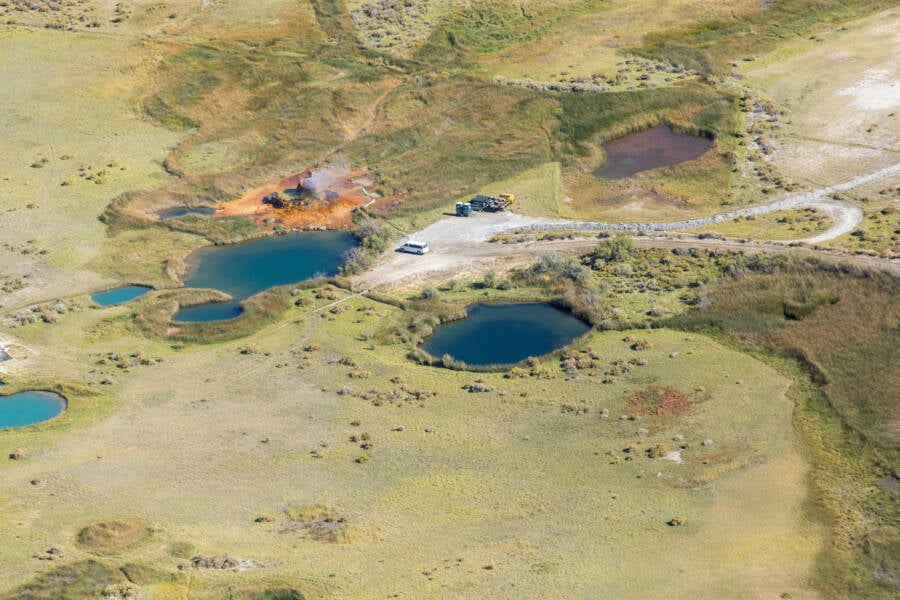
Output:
x=516 y=372
x=280 y=594
x=657 y=451
x=348 y=361
x=307 y=513
x=641 y=345
x=554 y=263
x=614 y=249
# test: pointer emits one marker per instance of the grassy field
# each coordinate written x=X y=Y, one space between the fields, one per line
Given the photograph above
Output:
x=296 y=112
x=777 y=225
x=712 y=44
x=505 y=485
x=48 y=207
x=599 y=39
x=842 y=332
x=727 y=429
x=839 y=116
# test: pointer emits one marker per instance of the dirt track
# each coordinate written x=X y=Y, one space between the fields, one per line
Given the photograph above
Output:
x=457 y=258
x=459 y=246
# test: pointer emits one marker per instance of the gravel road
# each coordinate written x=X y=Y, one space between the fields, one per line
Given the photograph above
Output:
x=459 y=246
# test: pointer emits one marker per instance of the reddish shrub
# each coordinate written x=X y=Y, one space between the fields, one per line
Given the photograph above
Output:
x=659 y=401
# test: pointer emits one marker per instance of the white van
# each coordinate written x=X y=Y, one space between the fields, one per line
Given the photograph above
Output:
x=415 y=247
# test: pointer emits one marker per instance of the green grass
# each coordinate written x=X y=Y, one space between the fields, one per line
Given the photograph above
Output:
x=709 y=46
x=280 y=594
x=152 y=256
x=153 y=314
x=515 y=463
x=777 y=225
x=486 y=27
x=691 y=108
x=85 y=579
x=845 y=337
x=476 y=132
x=490 y=26
x=219 y=230
x=538 y=191
x=162 y=112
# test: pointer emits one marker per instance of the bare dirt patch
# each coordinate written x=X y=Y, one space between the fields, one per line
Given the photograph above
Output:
x=841 y=92
x=659 y=401
x=330 y=205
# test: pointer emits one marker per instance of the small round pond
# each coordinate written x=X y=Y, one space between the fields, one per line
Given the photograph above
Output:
x=505 y=334
x=242 y=270
x=120 y=294
x=649 y=149
x=28 y=408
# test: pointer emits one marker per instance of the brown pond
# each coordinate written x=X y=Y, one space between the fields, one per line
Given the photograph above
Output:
x=649 y=149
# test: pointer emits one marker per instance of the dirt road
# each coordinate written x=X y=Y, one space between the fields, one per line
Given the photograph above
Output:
x=460 y=247
x=461 y=257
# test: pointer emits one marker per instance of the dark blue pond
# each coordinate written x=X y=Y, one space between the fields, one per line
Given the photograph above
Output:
x=242 y=270
x=28 y=408
x=650 y=149
x=505 y=334
x=180 y=211
x=120 y=294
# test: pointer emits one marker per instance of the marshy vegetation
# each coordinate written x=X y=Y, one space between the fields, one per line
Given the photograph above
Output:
x=837 y=331
x=154 y=316
x=711 y=45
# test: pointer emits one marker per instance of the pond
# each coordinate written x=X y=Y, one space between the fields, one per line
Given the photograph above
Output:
x=649 y=149
x=28 y=408
x=242 y=270
x=180 y=211
x=120 y=294
x=505 y=334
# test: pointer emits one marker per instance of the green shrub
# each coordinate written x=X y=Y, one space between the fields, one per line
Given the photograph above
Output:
x=280 y=594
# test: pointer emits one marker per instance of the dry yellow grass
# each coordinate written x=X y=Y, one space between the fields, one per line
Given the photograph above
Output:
x=838 y=93
x=505 y=480
x=74 y=113
x=598 y=40
x=496 y=495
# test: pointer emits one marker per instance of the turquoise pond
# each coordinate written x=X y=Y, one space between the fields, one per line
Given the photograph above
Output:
x=120 y=294
x=505 y=334
x=649 y=149
x=28 y=408
x=242 y=270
